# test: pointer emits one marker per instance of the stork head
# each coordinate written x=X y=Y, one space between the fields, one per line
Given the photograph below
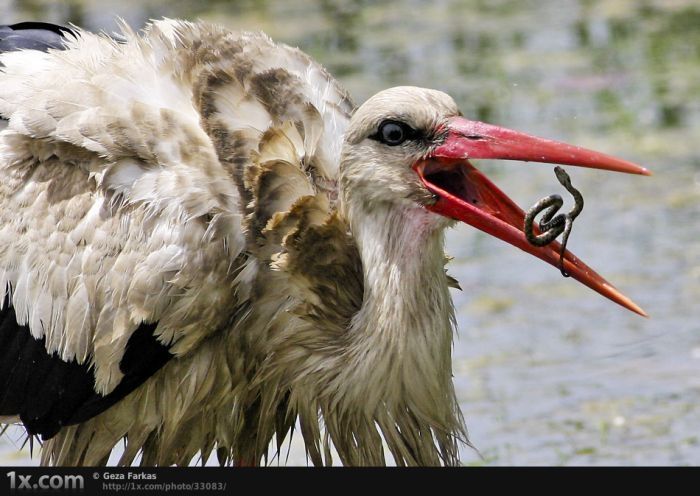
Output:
x=410 y=147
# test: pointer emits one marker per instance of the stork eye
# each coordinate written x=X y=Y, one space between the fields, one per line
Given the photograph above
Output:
x=394 y=133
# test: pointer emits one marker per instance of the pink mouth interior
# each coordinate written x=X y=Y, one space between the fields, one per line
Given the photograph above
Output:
x=471 y=188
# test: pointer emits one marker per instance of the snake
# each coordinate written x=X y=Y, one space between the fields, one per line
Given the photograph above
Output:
x=552 y=225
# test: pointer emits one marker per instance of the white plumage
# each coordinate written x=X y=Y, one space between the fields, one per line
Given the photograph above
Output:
x=214 y=186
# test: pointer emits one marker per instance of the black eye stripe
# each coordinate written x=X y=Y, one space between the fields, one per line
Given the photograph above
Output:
x=394 y=133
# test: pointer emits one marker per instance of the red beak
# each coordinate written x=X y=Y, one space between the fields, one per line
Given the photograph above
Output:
x=467 y=195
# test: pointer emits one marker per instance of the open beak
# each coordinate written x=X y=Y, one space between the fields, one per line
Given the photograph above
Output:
x=465 y=194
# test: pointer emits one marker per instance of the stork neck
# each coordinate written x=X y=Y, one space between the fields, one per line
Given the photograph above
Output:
x=405 y=324
x=402 y=251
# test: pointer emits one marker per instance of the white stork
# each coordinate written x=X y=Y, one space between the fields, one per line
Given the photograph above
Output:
x=203 y=242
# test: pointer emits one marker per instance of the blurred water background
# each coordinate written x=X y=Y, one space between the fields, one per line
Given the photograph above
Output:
x=547 y=372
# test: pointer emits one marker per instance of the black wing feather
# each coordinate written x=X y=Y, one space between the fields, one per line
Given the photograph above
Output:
x=32 y=36
x=48 y=392
x=143 y=357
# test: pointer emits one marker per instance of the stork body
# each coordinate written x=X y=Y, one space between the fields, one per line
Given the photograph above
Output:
x=202 y=243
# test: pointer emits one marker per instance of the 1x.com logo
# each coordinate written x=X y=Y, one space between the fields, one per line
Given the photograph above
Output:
x=56 y=481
